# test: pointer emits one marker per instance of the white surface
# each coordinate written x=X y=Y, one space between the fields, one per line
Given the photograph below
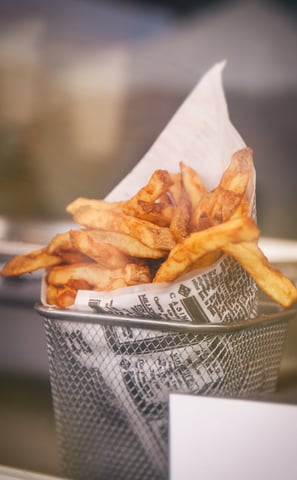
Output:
x=212 y=438
x=279 y=250
x=8 y=473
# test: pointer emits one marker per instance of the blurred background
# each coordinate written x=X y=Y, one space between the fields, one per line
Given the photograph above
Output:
x=86 y=86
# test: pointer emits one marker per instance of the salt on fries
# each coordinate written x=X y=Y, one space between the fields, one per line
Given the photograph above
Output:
x=171 y=226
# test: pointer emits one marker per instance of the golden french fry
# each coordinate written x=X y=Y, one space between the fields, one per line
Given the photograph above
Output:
x=29 y=262
x=102 y=204
x=228 y=202
x=97 y=277
x=242 y=210
x=149 y=234
x=144 y=204
x=126 y=244
x=179 y=225
x=62 y=245
x=60 y=296
x=270 y=280
x=159 y=183
x=73 y=256
x=78 y=284
x=51 y=294
x=219 y=205
x=200 y=243
x=192 y=184
x=207 y=260
x=65 y=297
x=59 y=242
x=201 y=217
x=159 y=213
x=104 y=254
x=233 y=185
x=236 y=177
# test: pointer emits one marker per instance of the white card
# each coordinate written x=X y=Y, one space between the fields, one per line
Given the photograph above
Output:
x=215 y=438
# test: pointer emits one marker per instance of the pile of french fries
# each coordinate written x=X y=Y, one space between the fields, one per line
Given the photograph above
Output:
x=172 y=225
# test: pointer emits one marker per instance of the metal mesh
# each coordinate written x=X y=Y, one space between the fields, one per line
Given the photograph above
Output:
x=110 y=389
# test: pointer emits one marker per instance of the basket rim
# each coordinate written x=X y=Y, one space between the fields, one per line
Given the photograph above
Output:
x=269 y=313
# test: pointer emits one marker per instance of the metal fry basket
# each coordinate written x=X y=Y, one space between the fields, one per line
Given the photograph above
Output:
x=111 y=378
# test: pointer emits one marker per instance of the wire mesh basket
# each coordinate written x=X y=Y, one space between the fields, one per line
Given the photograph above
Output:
x=111 y=378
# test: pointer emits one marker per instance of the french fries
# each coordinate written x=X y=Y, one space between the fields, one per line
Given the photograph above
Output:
x=106 y=255
x=219 y=205
x=269 y=279
x=62 y=297
x=30 y=262
x=151 y=235
x=198 y=244
x=170 y=227
x=129 y=246
x=193 y=184
x=98 y=278
x=179 y=224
